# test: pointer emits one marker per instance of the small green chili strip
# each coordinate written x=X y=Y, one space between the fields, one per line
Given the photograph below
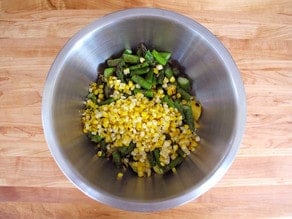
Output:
x=116 y=158
x=140 y=71
x=149 y=77
x=179 y=107
x=128 y=51
x=95 y=138
x=141 y=65
x=103 y=145
x=178 y=160
x=185 y=95
x=156 y=153
x=107 y=91
x=160 y=78
x=119 y=73
x=157 y=169
x=181 y=152
x=165 y=55
x=108 y=71
x=168 y=100
x=168 y=72
x=107 y=101
x=159 y=58
x=151 y=159
x=131 y=58
x=184 y=83
x=149 y=57
x=147 y=93
x=188 y=113
x=92 y=97
x=141 y=81
x=126 y=150
x=114 y=62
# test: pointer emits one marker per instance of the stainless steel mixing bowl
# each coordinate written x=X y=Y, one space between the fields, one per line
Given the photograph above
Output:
x=216 y=83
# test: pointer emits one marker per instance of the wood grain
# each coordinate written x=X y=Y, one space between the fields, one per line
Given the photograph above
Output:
x=257 y=33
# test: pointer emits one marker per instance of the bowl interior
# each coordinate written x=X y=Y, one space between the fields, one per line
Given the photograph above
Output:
x=216 y=84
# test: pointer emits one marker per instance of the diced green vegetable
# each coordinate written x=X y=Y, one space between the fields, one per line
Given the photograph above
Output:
x=151 y=159
x=150 y=76
x=95 y=138
x=168 y=72
x=138 y=66
x=179 y=108
x=140 y=71
x=128 y=51
x=126 y=150
x=149 y=57
x=108 y=71
x=168 y=100
x=92 y=97
x=107 y=101
x=185 y=95
x=178 y=160
x=187 y=110
x=131 y=58
x=184 y=83
x=106 y=91
x=165 y=55
x=160 y=78
x=141 y=81
x=114 y=62
x=161 y=60
x=119 y=73
x=116 y=158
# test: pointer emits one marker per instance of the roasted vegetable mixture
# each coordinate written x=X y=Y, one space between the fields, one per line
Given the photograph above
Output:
x=141 y=114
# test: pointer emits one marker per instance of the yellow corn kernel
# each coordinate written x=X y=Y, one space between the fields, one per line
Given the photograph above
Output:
x=155 y=71
x=172 y=79
x=171 y=89
x=99 y=153
x=100 y=96
x=120 y=175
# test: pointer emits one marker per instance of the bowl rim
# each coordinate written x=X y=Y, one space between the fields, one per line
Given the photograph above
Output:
x=195 y=191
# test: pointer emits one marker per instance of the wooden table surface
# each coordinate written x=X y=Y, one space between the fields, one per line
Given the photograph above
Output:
x=258 y=34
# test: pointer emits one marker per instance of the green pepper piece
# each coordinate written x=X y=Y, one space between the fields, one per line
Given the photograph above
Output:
x=149 y=57
x=178 y=160
x=108 y=71
x=185 y=95
x=107 y=101
x=158 y=57
x=184 y=83
x=141 y=81
x=140 y=71
x=160 y=77
x=128 y=51
x=92 y=97
x=116 y=158
x=131 y=58
x=188 y=113
x=168 y=72
x=114 y=62
x=178 y=105
x=151 y=158
x=168 y=100
x=141 y=65
x=165 y=55
x=95 y=138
